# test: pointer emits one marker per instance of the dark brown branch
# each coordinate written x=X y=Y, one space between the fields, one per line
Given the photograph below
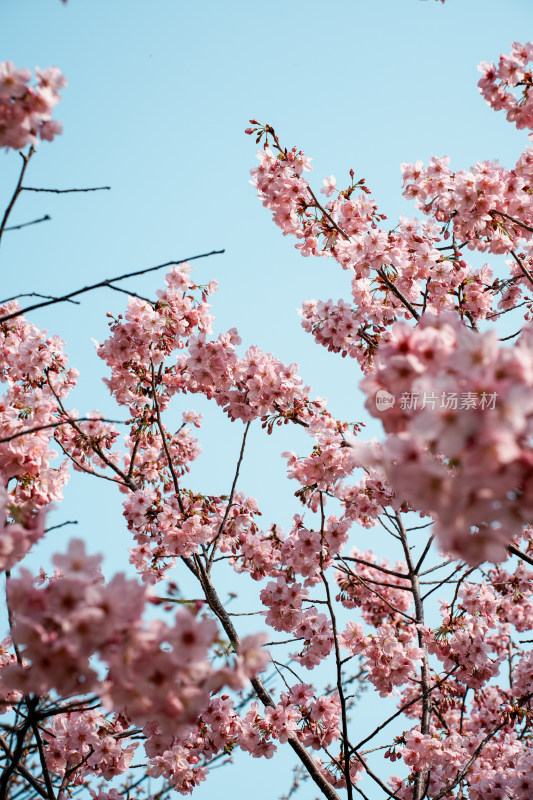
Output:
x=383 y=599
x=418 y=789
x=264 y=696
x=18 y=188
x=61 y=525
x=375 y=566
x=338 y=662
x=394 y=289
x=83 y=468
x=106 y=284
x=35 y=294
x=15 y=759
x=350 y=573
x=133 y=454
x=326 y=214
x=516 y=552
x=375 y=777
x=40 y=748
x=230 y=499
x=424 y=554
x=132 y=294
x=513 y=219
x=524 y=270
x=23 y=771
x=445 y=581
x=511 y=336
x=65 y=191
x=57 y=425
x=165 y=443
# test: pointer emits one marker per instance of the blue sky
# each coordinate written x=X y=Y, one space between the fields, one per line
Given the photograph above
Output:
x=159 y=95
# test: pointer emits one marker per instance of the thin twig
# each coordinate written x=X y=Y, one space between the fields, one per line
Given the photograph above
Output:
x=424 y=554
x=132 y=294
x=375 y=566
x=513 y=219
x=96 y=448
x=46 y=218
x=35 y=294
x=61 y=525
x=65 y=191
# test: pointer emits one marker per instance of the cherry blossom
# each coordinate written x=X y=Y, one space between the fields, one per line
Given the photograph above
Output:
x=26 y=111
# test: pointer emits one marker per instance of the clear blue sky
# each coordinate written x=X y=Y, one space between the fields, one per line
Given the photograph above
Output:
x=159 y=95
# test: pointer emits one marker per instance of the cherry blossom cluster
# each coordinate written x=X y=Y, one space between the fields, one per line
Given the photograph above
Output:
x=444 y=758
x=465 y=643
x=154 y=671
x=183 y=759
x=512 y=74
x=256 y=386
x=328 y=462
x=394 y=272
x=364 y=501
x=428 y=456
x=254 y=551
x=17 y=538
x=514 y=593
x=149 y=333
x=168 y=523
x=87 y=743
x=83 y=440
x=390 y=657
x=25 y=110
x=167 y=526
x=34 y=368
x=489 y=205
x=8 y=697
x=284 y=602
x=375 y=590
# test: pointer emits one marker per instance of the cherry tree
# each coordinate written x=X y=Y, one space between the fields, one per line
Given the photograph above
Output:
x=130 y=688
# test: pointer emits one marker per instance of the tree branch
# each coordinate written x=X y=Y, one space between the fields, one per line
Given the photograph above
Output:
x=46 y=218
x=18 y=188
x=106 y=284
